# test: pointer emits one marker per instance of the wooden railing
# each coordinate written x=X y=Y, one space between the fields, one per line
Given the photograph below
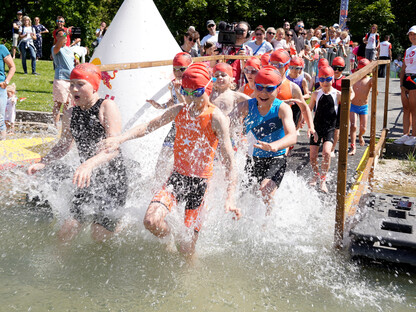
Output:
x=368 y=173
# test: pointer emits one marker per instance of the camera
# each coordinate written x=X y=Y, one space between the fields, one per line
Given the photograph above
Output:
x=76 y=32
x=227 y=33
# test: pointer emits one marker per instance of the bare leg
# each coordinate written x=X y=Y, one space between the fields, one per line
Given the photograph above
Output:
x=56 y=112
x=268 y=189
x=69 y=230
x=187 y=248
x=164 y=165
x=313 y=156
x=406 y=112
x=100 y=233
x=326 y=162
x=412 y=106
x=336 y=136
x=14 y=52
x=154 y=220
x=3 y=135
x=353 y=132
x=363 y=129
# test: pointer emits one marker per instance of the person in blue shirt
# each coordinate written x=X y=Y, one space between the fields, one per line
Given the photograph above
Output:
x=270 y=121
x=5 y=58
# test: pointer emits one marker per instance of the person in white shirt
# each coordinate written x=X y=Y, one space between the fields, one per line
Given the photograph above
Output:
x=260 y=45
x=408 y=92
x=372 y=41
x=212 y=33
x=398 y=64
x=384 y=53
x=27 y=34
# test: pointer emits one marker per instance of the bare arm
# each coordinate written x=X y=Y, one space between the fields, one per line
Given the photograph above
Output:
x=221 y=129
x=113 y=143
x=12 y=69
x=59 y=44
x=306 y=112
x=305 y=88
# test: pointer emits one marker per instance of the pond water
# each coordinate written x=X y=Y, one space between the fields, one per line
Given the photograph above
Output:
x=285 y=262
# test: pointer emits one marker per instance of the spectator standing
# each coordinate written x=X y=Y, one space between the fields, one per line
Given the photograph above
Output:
x=298 y=38
x=17 y=23
x=408 y=92
x=286 y=26
x=4 y=82
x=260 y=45
x=242 y=34
x=60 y=23
x=270 y=37
x=398 y=65
x=372 y=41
x=39 y=29
x=280 y=42
x=189 y=40
x=212 y=33
x=27 y=35
x=384 y=54
x=99 y=33
x=63 y=60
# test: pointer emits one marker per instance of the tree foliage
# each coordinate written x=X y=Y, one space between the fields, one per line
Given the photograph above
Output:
x=392 y=16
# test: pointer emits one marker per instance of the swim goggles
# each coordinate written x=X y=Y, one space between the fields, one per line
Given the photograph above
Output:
x=338 y=68
x=327 y=79
x=253 y=71
x=296 y=67
x=269 y=89
x=195 y=93
x=280 y=65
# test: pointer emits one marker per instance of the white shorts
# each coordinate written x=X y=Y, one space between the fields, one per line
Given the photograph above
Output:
x=61 y=91
x=15 y=40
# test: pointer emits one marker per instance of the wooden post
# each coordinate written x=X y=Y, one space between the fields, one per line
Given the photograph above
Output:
x=342 y=162
x=386 y=96
x=373 y=120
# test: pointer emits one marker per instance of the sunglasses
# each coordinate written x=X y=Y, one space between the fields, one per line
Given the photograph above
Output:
x=338 y=68
x=289 y=35
x=252 y=71
x=270 y=33
x=280 y=65
x=192 y=40
x=303 y=34
x=323 y=79
x=60 y=21
x=296 y=67
x=182 y=69
x=210 y=26
x=269 y=89
x=300 y=26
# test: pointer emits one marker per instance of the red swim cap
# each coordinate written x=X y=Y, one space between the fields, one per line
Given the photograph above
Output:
x=323 y=62
x=326 y=71
x=268 y=76
x=280 y=55
x=265 y=59
x=296 y=61
x=88 y=72
x=338 y=61
x=363 y=63
x=182 y=59
x=196 y=76
x=225 y=68
x=255 y=62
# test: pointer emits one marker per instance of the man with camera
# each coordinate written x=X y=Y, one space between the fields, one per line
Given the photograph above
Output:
x=232 y=39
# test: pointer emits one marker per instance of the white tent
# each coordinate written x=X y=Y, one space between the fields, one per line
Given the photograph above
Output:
x=137 y=33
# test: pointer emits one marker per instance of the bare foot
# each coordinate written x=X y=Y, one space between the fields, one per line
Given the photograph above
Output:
x=352 y=150
x=323 y=186
x=314 y=179
x=361 y=139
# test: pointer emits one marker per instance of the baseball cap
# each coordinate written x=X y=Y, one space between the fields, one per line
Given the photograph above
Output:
x=210 y=22
x=19 y=12
x=412 y=29
x=335 y=25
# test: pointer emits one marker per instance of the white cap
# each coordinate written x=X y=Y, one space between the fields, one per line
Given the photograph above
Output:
x=335 y=25
x=315 y=39
x=412 y=29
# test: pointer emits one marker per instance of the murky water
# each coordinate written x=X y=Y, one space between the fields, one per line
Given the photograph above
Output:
x=285 y=262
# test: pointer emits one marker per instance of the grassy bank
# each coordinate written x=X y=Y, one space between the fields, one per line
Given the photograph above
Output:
x=36 y=89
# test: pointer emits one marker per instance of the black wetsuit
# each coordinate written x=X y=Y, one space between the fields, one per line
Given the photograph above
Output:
x=326 y=116
x=108 y=188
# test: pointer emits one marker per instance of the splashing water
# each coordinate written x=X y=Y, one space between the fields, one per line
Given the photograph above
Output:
x=284 y=262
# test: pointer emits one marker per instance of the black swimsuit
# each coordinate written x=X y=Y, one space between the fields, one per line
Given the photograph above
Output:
x=108 y=188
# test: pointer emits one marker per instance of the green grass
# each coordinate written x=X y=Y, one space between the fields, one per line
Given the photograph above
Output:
x=36 y=89
x=410 y=165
